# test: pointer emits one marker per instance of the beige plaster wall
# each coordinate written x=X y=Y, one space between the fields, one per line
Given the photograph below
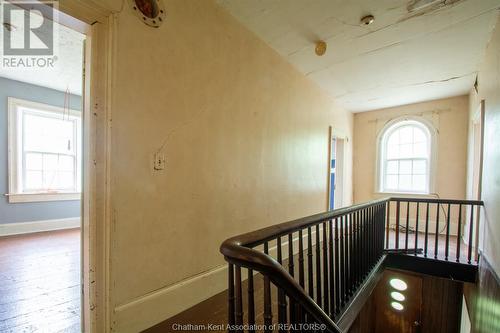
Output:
x=245 y=138
x=488 y=90
x=449 y=117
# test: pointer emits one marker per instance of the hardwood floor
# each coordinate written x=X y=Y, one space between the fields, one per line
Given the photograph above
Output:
x=40 y=282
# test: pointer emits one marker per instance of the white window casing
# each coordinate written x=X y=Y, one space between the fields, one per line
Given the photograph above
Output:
x=413 y=123
x=64 y=139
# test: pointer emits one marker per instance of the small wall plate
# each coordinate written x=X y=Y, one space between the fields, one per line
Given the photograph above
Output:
x=151 y=12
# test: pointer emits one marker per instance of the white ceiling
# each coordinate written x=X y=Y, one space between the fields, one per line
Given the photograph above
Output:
x=401 y=58
x=67 y=72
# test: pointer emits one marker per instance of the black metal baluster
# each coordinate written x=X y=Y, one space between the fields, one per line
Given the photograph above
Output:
x=346 y=256
x=407 y=224
x=416 y=227
x=388 y=225
x=291 y=266
x=342 y=259
x=281 y=292
x=268 y=315
x=459 y=234
x=301 y=259
x=397 y=224
x=318 y=268
x=436 y=248
x=337 y=266
x=291 y=270
x=251 y=307
x=426 y=236
x=331 y=270
x=238 y=298
x=300 y=312
x=351 y=256
x=471 y=228
x=355 y=249
x=230 y=296
x=447 y=244
x=326 y=302
x=310 y=278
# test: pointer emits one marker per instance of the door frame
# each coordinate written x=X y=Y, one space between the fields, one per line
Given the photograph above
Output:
x=339 y=165
x=95 y=244
x=478 y=120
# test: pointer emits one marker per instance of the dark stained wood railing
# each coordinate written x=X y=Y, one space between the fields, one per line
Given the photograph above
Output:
x=328 y=256
x=442 y=229
x=312 y=268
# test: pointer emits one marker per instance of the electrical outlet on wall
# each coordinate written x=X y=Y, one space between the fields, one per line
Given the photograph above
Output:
x=159 y=161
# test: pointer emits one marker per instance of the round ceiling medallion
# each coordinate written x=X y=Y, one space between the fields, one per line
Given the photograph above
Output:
x=151 y=12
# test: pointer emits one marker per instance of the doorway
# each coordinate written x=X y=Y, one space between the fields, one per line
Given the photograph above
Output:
x=335 y=171
x=477 y=175
x=41 y=216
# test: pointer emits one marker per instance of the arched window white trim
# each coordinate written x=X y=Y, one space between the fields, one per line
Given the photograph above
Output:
x=406 y=156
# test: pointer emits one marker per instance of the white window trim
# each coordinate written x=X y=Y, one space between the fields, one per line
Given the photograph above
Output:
x=380 y=154
x=14 y=154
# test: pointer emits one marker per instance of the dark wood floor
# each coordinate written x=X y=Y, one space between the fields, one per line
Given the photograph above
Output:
x=40 y=282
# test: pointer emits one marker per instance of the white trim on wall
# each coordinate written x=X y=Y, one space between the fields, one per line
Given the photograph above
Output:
x=19 y=228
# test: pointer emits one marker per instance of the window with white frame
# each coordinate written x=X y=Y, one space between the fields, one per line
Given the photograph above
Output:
x=405 y=161
x=44 y=152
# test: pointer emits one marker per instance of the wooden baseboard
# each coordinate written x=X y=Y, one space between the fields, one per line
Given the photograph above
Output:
x=148 y=310
x=9 y=229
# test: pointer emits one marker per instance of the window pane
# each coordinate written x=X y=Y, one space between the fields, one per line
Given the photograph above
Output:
x=33 y=161
x=66 y=163
x=391 y=182
x=50 y=180
x=419 y=167
x=419 y=182
x=407 y=156
x=419 y=135
x=393 y=139
x=405 y=182
x=420 y=150
x=406 y=134
x=392 y=167
x=33 y=180
x=50 y=162
x=406 y=150
x=65 y=180
x=405 y=167
x=393 y=151
x=48 y=134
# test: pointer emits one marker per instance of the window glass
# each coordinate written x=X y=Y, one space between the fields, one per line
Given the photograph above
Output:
x=406 y=158
x=48 y=151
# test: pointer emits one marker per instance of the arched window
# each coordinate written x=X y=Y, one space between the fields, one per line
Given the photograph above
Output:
x=406 y=157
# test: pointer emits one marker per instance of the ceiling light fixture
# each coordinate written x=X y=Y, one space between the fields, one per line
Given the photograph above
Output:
x=398 y=284
x=320 y=48
x=367 y=20
x=398 y=296
x=397 y=306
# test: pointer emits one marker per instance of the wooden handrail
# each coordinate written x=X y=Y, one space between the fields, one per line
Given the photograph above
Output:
x=240 y=251
x=258 y=237
x=360 y=232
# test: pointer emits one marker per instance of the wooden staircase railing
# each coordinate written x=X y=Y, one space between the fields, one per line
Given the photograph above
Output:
x=312 y=268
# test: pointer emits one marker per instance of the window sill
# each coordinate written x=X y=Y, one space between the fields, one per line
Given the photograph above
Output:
x=405 y=194
x=41 y=197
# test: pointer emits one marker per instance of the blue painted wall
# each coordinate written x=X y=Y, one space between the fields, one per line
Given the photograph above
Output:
x=33 y=211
